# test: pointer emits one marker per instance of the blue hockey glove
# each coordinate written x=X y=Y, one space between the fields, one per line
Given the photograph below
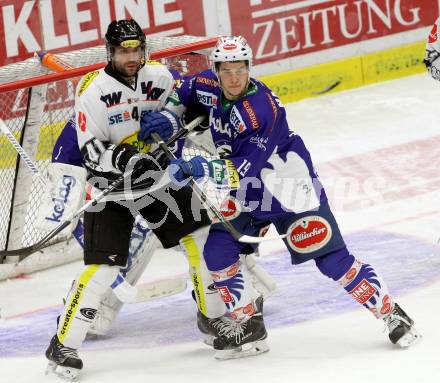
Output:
x=164 y=123
x=197 y=167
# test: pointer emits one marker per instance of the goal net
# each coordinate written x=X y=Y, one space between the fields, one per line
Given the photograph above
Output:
x=36 y=103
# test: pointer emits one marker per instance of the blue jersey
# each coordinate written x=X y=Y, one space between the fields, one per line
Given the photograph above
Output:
x=274 y=168
x=66 y=149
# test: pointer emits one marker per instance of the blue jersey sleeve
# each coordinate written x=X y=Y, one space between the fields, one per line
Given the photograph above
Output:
x=66 y=149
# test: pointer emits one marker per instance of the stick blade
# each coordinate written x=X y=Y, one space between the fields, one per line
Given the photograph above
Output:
x=251 y=239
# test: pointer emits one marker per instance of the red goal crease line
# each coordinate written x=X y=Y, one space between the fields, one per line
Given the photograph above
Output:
x=76 y=72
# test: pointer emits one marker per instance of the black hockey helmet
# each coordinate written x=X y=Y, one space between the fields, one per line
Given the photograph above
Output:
x=125 y=33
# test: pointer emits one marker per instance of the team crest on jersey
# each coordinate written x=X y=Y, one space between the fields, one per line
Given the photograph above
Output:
x=206 y=98
x=433 y=35
x=87 y=80
x=237 y=121
x=309 y=234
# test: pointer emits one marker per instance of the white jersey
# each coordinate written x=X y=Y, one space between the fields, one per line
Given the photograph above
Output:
x=432 y=60
x=108 y=111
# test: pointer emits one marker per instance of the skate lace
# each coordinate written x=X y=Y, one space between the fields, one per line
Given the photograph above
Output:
x=222 y=325
x=394 y=320
x=236 y=329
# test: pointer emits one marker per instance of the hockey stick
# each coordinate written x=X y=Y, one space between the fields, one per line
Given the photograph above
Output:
x=128 y=293
x=329 y=88
x=210 y=206
x=20 y=150
x=26 y=251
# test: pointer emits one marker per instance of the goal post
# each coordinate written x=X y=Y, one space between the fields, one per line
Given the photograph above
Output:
x=35 y=104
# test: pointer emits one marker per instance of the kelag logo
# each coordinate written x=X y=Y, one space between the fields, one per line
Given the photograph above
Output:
x=59 y=206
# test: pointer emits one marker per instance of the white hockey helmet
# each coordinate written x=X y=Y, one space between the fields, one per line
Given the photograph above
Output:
x=229 y=49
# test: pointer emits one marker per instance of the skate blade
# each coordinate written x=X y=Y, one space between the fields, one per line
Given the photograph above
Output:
x=248 y=349
x=66 y=373
x=410 y=338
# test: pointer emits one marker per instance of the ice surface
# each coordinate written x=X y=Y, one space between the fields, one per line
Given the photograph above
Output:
x=377 y=152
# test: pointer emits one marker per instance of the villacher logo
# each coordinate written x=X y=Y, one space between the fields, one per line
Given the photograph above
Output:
x=309 y=234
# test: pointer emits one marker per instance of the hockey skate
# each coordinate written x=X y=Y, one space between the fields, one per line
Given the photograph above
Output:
x=401 y=328
x=242 y=339
x=212 y=328
x=63 y=361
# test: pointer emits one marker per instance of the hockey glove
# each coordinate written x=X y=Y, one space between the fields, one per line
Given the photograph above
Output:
x=197 y=167
x=164 y=123
x=126 y=155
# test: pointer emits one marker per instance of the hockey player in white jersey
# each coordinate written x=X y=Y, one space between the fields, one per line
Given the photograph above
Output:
x=67 y=161
x=111 y=107
x=432 y=56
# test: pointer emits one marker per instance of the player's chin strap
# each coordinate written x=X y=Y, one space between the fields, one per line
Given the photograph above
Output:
x=210 y=206
x=26 y=251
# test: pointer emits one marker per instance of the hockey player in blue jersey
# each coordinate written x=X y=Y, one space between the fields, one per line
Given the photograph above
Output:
x=272 y=180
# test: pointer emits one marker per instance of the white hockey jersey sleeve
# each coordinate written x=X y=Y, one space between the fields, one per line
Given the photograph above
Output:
x=92 y=127
x=432 y=56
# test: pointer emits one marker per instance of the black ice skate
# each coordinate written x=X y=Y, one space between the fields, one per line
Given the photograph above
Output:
x=401 y=328
x=243 y=339
x=212 y=328
x=63 y=361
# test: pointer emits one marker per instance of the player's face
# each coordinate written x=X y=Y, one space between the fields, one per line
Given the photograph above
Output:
x=234 y=78
x=127 y=60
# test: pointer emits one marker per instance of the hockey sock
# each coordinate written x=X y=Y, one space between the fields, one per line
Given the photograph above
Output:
x=235 y=286
x=82 y=303
x=368 y=288
x=208 y=299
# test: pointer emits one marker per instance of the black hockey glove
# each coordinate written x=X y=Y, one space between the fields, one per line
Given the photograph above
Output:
x=191 y=114
x=126 y=155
